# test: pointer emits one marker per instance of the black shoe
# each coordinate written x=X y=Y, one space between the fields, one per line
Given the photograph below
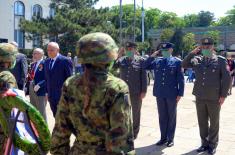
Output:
x=202 y=149
x=170 y=143
x=161 y=142
x=211 y=151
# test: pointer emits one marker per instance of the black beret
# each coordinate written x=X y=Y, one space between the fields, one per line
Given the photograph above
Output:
x=166 y=45
x=207 y=41
x=131 y=44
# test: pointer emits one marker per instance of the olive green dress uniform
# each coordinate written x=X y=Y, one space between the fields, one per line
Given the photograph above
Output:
x=212 y=82
x=135 y=76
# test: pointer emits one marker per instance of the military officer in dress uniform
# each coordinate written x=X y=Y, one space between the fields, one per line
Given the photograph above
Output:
x=168 y=88
x=210 y=88
x=136 y=78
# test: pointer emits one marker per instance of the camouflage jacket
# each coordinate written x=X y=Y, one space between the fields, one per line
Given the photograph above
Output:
x=105 y=129
x=7 y=80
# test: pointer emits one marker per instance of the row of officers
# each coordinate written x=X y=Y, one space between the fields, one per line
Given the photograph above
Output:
x=210 y=88
x=95 y=106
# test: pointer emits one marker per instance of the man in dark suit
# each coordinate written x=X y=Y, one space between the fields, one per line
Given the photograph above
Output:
x=168 y=89
x=57 y=69
x=37 y=88
x=21 y=68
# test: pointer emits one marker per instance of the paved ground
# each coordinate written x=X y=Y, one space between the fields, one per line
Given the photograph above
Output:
x=187 y=134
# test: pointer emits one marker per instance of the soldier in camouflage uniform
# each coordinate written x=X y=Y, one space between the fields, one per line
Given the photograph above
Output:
x=7 y=80
x=210 y=88
x=94 y=106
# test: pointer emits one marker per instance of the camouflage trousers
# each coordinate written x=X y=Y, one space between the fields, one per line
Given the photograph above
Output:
x=2 y=141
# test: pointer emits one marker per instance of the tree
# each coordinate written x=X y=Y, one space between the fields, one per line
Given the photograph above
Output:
x=73 y=19
x=166 y=34
x=205 y=18
x=191 y=20
x=152 y=17
x=143 y=47
x=188 y=42
x=170 y=20
x=231 y=15
x=223 y=21
x=215 y=35
x=177 y=39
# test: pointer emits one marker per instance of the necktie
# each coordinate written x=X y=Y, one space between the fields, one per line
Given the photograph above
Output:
x=33 y=71
x=51 y=64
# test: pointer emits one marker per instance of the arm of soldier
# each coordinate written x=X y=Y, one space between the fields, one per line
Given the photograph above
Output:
x=225 y=79
x=61 y=132
x=120 y=136
x=189 y=61
x=180 y=80
x=149 y=63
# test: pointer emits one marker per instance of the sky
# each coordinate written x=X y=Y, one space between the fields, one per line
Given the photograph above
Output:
x=180 y=7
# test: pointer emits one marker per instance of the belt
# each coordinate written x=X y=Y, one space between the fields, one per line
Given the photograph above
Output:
x=99 y=143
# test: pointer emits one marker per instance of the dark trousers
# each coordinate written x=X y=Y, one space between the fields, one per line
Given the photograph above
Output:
x=136 y=104
x=167 y=117
x=53 y=105
x=208 y=111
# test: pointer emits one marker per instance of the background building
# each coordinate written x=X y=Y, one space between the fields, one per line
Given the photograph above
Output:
x=12 y=11
x=226 y=39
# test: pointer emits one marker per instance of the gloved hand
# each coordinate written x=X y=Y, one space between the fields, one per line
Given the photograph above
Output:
x=36 y=88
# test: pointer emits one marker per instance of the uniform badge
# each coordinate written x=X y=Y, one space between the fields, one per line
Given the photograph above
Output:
x=206 y=40
x=163 y=45
x=213 y=70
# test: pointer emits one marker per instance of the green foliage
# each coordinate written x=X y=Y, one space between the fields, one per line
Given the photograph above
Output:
x=231 y=15
x=27 y=52
x=191 y=20
x=177 y=39
x=188 y=42
x=205 y=18
x=166 y=34
x=143 y=46
x=215 y=35
x=170 y=20
x=152 y=17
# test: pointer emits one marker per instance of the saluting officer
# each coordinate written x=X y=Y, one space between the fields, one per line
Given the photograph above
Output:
x=210 y=88
x=168 y=88
x=136 y=78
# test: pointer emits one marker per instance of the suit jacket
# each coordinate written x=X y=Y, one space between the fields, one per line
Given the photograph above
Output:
x=133 y=74
x=55 y=77
x=39 y=78
x=21 y=69
x=168 y=76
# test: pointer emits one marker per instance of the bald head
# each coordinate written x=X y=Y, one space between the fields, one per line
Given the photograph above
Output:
x=53 y=49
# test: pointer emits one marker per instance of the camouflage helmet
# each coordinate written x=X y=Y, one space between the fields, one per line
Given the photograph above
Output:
x=96 y=48
x=8 y=53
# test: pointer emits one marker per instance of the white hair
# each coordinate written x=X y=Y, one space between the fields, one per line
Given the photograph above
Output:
x=14 y=43
x=54 y=44
x=39 y=50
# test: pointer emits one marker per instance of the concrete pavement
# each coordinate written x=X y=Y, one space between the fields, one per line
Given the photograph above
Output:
x=187 y=137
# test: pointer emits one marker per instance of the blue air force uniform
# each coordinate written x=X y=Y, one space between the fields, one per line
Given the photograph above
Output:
x=168 y=84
